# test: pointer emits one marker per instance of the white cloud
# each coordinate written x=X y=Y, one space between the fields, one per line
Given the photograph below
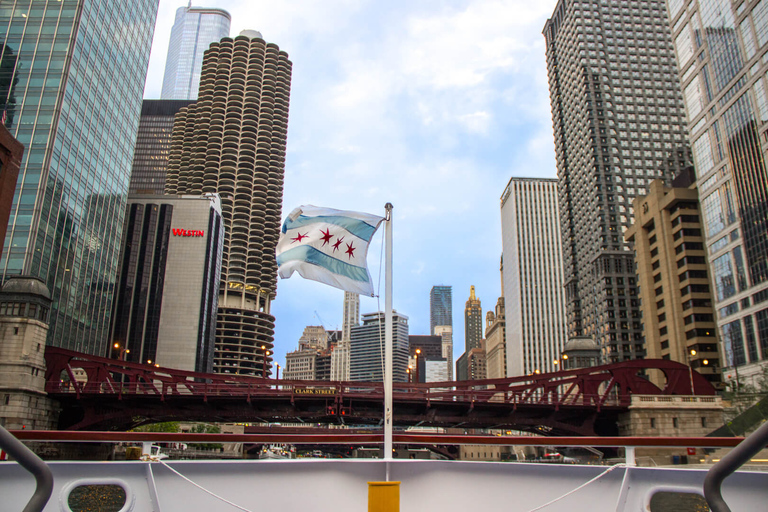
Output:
x=429 y=105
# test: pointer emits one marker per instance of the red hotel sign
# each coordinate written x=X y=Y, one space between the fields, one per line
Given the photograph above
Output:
x=187 y=232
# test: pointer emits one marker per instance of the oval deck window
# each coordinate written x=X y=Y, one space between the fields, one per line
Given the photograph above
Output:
x=104 y=498
x=665 y=501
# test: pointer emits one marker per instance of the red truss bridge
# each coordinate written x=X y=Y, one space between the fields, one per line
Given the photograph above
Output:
x=97 y=393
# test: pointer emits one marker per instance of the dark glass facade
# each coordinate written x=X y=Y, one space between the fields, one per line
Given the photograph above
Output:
x=440 y=307
x=73 y=74
x=153 y=144
x=721 y=52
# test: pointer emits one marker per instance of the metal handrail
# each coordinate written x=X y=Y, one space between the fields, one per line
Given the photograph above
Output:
x=732 y=461
x=32 y=463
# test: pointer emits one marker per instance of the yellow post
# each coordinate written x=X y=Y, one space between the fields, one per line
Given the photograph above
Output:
x=383 y=496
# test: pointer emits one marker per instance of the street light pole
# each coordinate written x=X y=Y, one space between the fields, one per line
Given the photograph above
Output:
x=418 y=351
x=691 y=353
x=123 y=351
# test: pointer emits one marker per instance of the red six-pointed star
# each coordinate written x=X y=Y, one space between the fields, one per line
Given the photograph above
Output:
x=326 y=236
x=337 y=244
x=350 y=250
x=299 y=237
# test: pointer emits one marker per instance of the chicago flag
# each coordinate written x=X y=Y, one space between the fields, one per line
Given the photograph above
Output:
x=329 y=246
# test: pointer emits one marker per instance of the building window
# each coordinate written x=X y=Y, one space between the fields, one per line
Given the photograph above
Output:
x=675 y=423
x=653 y=422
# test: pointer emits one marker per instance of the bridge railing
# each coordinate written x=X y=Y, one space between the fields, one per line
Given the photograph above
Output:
x=603 y=386
x=297 y=389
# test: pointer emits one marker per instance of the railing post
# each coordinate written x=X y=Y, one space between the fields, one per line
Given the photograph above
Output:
x=32 y=463
x=732 y=461
x=629 y=456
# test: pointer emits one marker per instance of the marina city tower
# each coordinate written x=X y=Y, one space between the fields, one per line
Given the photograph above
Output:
x=232 y=142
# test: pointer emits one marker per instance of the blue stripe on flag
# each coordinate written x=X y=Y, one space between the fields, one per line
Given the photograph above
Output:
x=315 y=257
x=357 y=227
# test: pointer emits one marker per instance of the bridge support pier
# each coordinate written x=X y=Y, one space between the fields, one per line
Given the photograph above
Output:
x=24 y=305
x=670 y=416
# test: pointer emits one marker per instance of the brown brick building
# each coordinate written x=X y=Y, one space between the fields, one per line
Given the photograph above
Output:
x=11 y=151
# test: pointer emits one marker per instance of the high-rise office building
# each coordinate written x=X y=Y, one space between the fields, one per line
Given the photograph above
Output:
x=340 y=352
x=471 y=364
x=194 y=29
x=446 y=334
x=314 y=337
x=674 y=278
x=72 y=79
x=440 y=307
x=495 y=342
x=532 y=276
x=723 y=62
x=340 y=361
x=618 y=120
x=367 y=348
x=232 y=142
x=168 y=282
x=422 y=348
x=473 y=321
x=351 y=315
x=301 y=364
x=153 y=145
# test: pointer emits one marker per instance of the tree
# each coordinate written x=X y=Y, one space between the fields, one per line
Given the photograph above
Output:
x=168 y=426
x=206 y=428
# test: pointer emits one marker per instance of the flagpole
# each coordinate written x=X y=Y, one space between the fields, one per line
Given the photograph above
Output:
x=388 y=347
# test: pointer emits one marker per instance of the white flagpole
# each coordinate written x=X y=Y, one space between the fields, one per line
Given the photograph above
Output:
x=388 y=338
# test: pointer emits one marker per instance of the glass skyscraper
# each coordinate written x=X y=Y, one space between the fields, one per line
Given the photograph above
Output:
x=723 y=60
x=440 y=307
x=153 y=145
x=72 y=75
x=193 y=31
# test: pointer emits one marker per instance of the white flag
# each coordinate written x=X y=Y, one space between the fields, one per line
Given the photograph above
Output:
x=329 y=246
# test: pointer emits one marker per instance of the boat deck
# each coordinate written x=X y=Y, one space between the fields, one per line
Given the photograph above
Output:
x=342 y=485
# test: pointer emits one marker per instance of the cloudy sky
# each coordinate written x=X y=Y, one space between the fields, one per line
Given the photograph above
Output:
x=431 y=105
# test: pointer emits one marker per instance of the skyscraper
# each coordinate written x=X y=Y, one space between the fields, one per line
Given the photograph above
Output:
x=532 y=276
x=367 y=348
x=723 y=62
x=153 y=145
x=618 y=120
x=168 y=282
x=674 y=278
x=193 y=30
x=232 y=142
x=446 y=334
x=440 y=307
x=340 y=353
x=351 y=314
x=473 y=321
x=72 y=76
